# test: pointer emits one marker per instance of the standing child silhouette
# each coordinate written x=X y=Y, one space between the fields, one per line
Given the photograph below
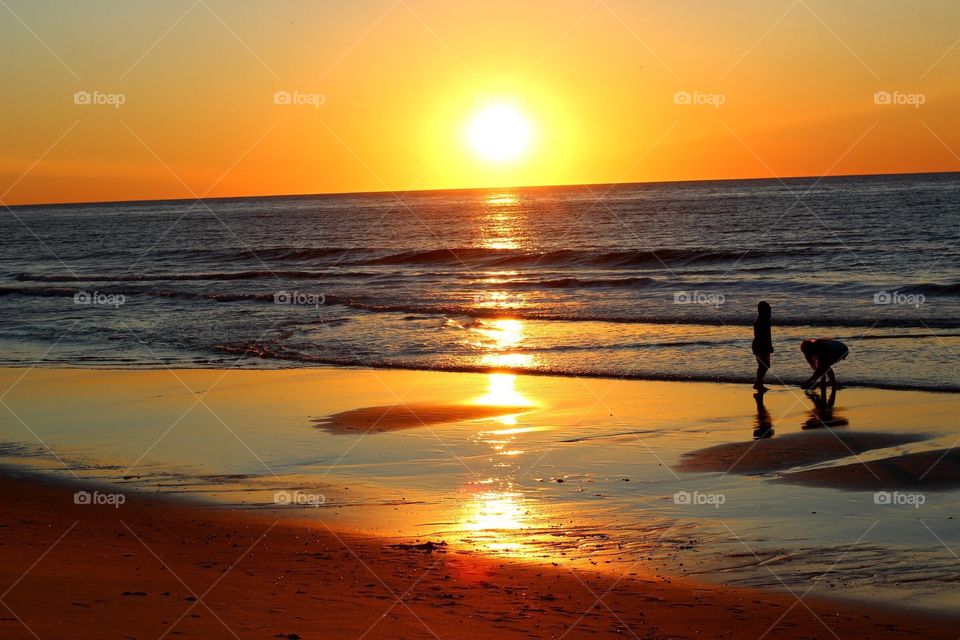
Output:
x=762 y=345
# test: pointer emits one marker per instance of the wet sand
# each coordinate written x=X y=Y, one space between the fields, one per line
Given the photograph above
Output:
x=408 y=416
x=923 y=471
x=581 y=473
x=788 y=451
x=151 y=568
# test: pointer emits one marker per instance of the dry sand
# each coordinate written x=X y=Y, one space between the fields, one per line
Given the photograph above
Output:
x=155 y=569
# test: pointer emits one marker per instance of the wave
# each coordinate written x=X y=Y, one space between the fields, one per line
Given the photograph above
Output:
x=292 y=254
x=475 y=256
x=43 y=292
x=589 y=316
x=575 y=283
x=558 y=282
x=466 y=310
x=932 y=288
x=173 y=277
x=484 y=257
x=271 y=352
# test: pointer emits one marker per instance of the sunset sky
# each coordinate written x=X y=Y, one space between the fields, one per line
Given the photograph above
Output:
x=389 y=91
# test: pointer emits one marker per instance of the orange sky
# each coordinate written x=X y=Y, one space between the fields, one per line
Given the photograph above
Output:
x=400 y=80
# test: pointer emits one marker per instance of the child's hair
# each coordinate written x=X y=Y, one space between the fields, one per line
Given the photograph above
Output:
x=763 y=309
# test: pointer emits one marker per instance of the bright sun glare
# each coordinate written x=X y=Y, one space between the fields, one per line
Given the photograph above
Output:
x=499 y=132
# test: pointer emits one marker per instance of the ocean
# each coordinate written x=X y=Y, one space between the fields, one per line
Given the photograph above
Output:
x=650 y=281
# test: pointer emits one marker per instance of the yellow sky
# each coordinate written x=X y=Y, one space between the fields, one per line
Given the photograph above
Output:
x=614 y=91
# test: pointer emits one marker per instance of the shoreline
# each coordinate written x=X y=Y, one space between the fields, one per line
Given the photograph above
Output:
x=300 y=365
x=153 y=565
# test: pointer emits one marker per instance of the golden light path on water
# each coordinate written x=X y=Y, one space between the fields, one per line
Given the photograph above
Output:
x=496 y=515
x=502 y=225
x=502 y=335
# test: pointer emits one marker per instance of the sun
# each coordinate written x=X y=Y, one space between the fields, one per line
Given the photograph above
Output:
x=499 y=133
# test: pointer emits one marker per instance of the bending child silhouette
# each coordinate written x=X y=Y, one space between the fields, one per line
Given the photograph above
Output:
x=821 y=355
x=762 y=345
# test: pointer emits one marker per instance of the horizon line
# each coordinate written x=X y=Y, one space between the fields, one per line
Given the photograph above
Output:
x=456 y=189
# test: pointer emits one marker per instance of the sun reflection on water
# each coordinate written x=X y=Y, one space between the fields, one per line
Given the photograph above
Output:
x=500 y=300
x=502 y=391
x=502 y=225
x=500 y=338
x=514 y=430
x=491 y=516
x=498 y=517
x=506 y=198
x=494 y=511
x=503 y=333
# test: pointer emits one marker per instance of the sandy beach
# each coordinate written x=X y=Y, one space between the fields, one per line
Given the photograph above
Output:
x=153 y=568
x=544 y=494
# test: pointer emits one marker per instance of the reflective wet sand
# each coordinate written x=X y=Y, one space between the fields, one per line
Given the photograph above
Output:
x=685 y=478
